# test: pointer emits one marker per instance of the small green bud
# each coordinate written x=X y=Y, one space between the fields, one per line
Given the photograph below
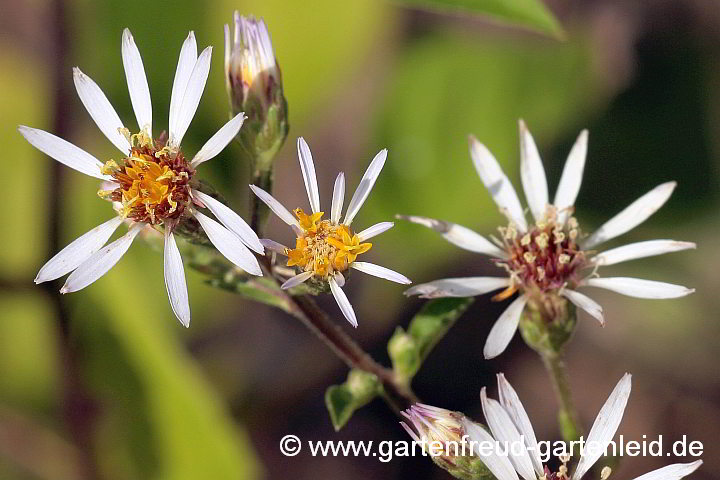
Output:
x=254 y=85
x=547 y=323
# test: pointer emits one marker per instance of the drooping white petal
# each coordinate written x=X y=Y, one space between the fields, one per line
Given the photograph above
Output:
x=273 y=246
x=175 y=280
x=675 y=471
x=229 y=244
x=185 y=65
x=100 y=109
x=381 y=272
x=100 y=262
x=343 y=302
x=137 y=82
x=339 y=279
x=191 y=98
x=231 y=220
x=458 y=287
x=338 y=198
x=296 y=280
x=586 y=303
x=497 y=183
x=73 y=255
x=637 y=287
x=504 y=430
x=481 y=440
x=640 y=250
x=532 y=174
x=571 y=178
x=276 y=207
x=366 y=184
x=633 y=215
x=514 y=408
x=605 y=425
x=308 y=172
x=374 y=230
x=63 y=151
x=219 y=141
x=458 y=235
x=504 y=329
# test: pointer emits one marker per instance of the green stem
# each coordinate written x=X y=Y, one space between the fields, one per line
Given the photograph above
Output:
x=568 y=420
x=258 y=210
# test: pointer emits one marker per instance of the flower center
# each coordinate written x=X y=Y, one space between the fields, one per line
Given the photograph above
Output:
x=153 y=181
x=547 y=257
x=323 y=247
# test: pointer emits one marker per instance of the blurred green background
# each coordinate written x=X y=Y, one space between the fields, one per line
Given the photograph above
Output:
x=105 y=383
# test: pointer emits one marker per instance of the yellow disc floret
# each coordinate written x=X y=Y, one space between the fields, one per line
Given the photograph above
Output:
x=323 y=247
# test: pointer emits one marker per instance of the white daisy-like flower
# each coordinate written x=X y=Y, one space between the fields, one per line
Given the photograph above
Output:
x=153 y=183
x=324 y=249
x=551 y=256
x=510 y=424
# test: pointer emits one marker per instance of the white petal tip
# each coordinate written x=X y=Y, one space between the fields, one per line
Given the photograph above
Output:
x=64 y=290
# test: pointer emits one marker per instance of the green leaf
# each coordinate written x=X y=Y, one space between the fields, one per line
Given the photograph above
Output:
x=359 y=389
x=409 y=349
x=532 y=14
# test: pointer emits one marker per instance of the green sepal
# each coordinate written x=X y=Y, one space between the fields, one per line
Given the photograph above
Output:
x=547 y=327
x=359 y=389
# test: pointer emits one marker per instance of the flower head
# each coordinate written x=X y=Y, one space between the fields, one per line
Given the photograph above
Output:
x=327 y=248
x=152 y=184
x=548 y=260
x=510 y=424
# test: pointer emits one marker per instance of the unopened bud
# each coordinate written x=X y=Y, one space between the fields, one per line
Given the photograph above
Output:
x=254 y=86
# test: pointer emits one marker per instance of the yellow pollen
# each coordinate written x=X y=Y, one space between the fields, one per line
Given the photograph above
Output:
x=559 y=236
x=525 y=241
x=541 y=273
x=542 y=240
x=573 y=234
x=605 y=473
x=529 y=257
x=564 y=258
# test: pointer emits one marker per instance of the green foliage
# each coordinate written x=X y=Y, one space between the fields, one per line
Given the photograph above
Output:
x=527 y=13
x=359 y=389
x=409 y=349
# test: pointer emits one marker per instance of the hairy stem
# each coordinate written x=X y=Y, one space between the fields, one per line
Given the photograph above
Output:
x=568 y=420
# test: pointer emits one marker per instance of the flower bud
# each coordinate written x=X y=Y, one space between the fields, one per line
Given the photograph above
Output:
x=254 y=86
x=442 y=435
x=547 y=323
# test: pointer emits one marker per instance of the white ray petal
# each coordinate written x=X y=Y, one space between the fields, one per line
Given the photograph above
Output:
x=273 y=246
x=605 y=425
x=633 y=215
x=586 y=303
x=219 y=141
x=338 y=198
x=339 y=279
x=275 y=206
x=640 y=250
x=532 y=174
x=100 y=109
x=374 y=230
x=63 y=151
x=308 y=172
x=503 y=429
x=191 y=98
x=231 y=220
x=458 y=287
x=296 y=280
x=571 y=178
x=504 y=329
x=497 y=183
x=175 y=280
x=137 y=82
x=100 y=262
x=73 y=255
x=512 y=405
x=185 y=65
x=229 y=244
x=366 y=184
x=381 y=272
x=458 y=235
x=637 y=287
x=498 y=464
x=228 y=51
x=675 y=471
x=343 y=302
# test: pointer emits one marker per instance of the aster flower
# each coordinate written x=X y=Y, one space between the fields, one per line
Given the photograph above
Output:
x=509 y=423
x=324 y=249
x=153 y=183
x=549 y=260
